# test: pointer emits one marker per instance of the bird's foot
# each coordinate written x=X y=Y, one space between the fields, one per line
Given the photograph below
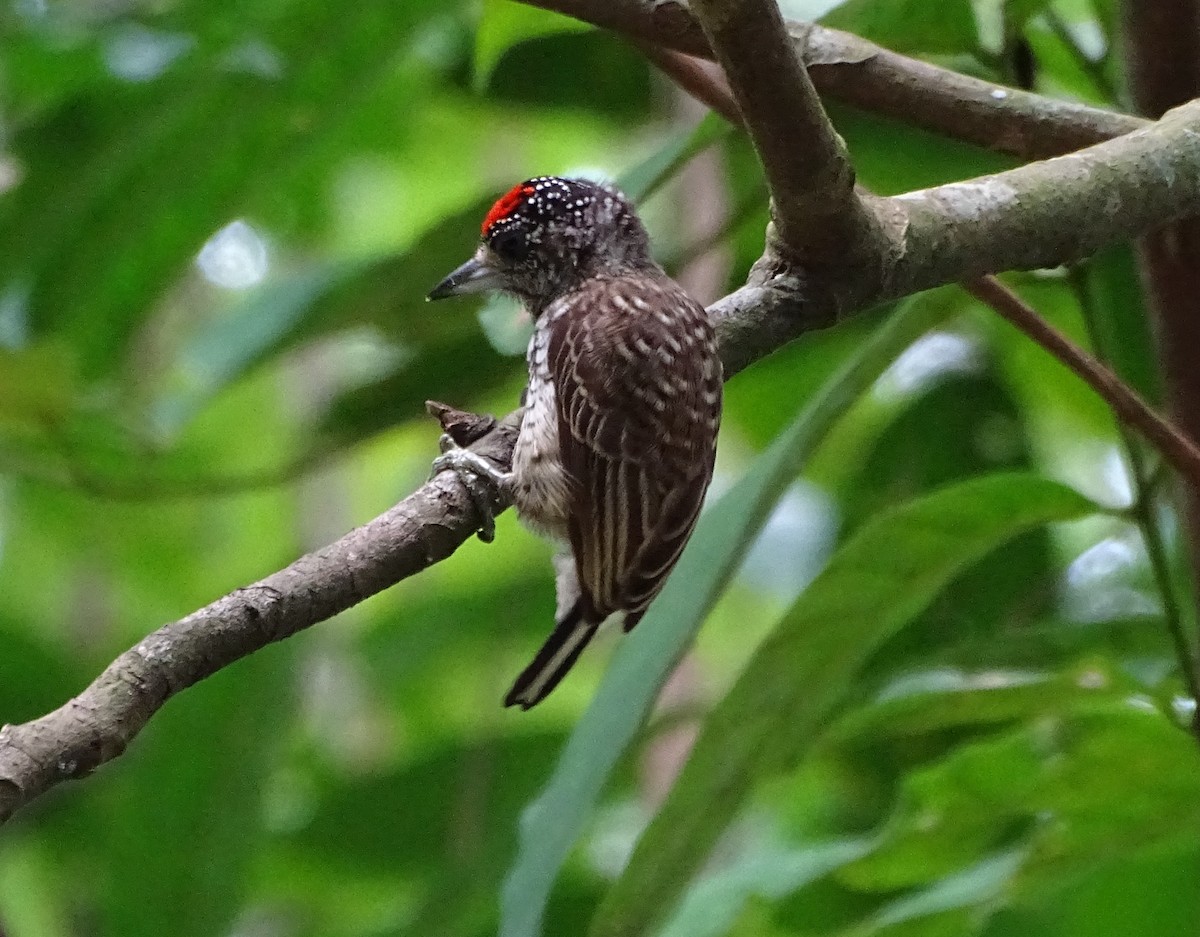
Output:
x=489 y=487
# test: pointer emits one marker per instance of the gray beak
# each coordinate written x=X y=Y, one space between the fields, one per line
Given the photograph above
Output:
x=472 y=277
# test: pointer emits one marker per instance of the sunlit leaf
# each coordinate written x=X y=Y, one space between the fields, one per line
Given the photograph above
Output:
x=712 y=905
x=961 y=892
x=36 y=386
x=505 y=23
x=886 y=574
x=123 y=182
x=910 y=25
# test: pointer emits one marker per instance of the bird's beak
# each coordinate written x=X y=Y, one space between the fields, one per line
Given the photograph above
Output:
x=474 y=276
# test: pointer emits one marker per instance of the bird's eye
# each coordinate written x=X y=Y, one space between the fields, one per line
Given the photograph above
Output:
x=510 y=245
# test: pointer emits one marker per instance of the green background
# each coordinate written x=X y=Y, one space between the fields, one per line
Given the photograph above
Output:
x=934 y=694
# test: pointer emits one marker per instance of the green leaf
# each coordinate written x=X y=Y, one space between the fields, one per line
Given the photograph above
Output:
x=552 y=822
x=875 y=584
x=977 y=885
x=947 y=698
x=643 y=179
x=712 y=905
x=946 y=27
x=196 y=781
x=953 y=426
x=1112 y=293
x=123 y=182
x=36 y=386
x=503 y=24
x=1062 y=68
x=1140 y=894
x=1018 y=12
x=1057 y=782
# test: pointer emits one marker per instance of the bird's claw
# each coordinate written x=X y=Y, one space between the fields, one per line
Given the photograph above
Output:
x=487 y=485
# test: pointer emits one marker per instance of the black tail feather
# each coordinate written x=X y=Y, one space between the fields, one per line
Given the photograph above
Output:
x=557 y=656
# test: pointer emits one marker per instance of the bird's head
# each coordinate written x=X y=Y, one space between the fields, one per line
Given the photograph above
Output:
x=546 y=236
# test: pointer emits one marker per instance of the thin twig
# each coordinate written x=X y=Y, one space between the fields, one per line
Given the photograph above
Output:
x=1145 y=485
x=701 y=79
x=1176 y=448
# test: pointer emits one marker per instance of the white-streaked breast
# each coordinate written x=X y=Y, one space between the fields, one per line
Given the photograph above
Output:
x=540 y=485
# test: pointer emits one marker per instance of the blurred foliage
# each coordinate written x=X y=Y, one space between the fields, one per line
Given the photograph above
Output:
x=927 y=704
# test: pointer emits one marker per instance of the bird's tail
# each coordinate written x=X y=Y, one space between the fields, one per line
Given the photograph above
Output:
x=557 y=656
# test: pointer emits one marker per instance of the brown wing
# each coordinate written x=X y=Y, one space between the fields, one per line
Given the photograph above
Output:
x=638 y=392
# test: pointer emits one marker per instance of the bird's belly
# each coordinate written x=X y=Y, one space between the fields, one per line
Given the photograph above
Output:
x=540 y=487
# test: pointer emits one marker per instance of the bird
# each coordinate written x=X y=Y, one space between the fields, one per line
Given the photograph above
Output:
x=618 y=435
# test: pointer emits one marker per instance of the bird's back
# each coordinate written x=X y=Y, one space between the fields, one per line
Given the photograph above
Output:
x=634 y=381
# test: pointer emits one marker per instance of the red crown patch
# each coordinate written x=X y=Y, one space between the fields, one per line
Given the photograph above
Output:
x=507 y=204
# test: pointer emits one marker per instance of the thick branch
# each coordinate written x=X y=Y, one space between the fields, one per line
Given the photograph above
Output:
x=96 y=725
x=1162 y=42
x=1052 y=212
x=1040 y=215
x=867 y=76
x=709 y=87
x=818 y=216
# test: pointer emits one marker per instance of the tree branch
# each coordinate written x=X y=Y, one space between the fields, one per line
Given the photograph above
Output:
x=867 y=76
x=1162 y=46
x=99 y=723
x=1040 y=215
x=703 y=80
x=1180 y=451
x=1163 y=52
x=819 y=218
x=711 y=88
x=1070 y=205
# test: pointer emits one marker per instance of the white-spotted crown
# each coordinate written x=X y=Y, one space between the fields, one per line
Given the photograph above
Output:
x=549 y=234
